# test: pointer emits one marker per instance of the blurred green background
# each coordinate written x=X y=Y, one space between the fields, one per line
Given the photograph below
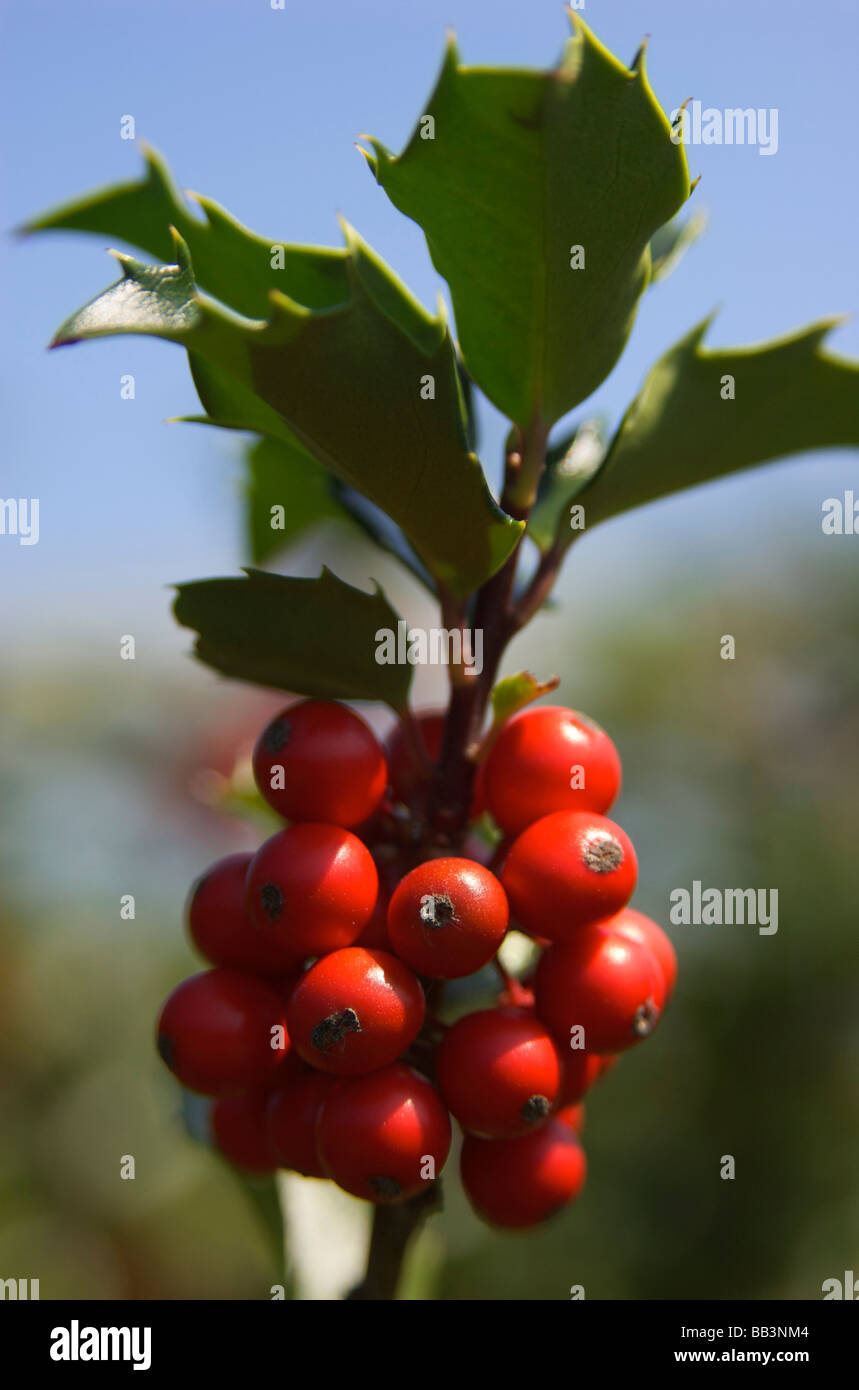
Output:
x=738 y=773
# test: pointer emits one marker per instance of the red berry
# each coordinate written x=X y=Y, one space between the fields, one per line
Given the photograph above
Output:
x=404 y=777
x=580 y=1070
x=219 y=926
x=447 y=918
x=498 y=1072
x=609 y=986
x=284 y=984
x=573 y=1116
x=549 y=759
x=318 y=761
x=568 y=869
x=375 y=935
x=520 y=1182
x=383 y=1136
x=636 y=927
x=221 y=1031
x=355 y=1011
x=291 y=1119
x=311 y=889
x=239 y=1129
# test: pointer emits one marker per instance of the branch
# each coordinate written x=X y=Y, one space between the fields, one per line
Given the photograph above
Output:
x=494 y=614
x=394 y=1228
x=414 y=744
x=540 y=587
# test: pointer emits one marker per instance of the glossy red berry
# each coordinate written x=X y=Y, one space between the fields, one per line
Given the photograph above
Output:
x=318 y=761
x=636 y=927
x=520 y=1182
x=239 y=1130
x=580 y=1070
x=573 y=1116
x=498 y=1072
x=384 y=1136
x=404 y=777
x=447 y=918
x=355 y=1011
x=375 y=935
x=221 y=1031
x=219 y=925
x=610 y=987
x=549 y=759
x=568 y=869
x=291 y=1119
x=311 y=889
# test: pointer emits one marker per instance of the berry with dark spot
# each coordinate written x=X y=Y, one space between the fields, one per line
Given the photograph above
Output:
x=610 y=987
x=499 y=1072
x=219 y=925
x=355 y=1011
x=566 y=870
x=318 y=761
x=384 y=1136
x=447 y=918
x=311 y=889
x=222 y=1031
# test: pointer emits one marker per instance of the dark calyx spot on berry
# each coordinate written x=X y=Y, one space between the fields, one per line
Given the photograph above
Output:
x=535 y=1108
x=333 y=1029
x=386 y=1189
x=603 y=855
x=276 y=735
x=272 y=901
x=645 y=1019
x=437 y=911
x=165 y=1049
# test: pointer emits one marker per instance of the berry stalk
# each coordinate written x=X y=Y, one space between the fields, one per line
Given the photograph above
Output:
x=451 y=790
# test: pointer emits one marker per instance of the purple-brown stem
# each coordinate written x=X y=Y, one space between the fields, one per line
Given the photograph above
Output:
x=450 y=791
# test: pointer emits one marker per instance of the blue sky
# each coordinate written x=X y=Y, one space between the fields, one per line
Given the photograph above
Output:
x=259 y=109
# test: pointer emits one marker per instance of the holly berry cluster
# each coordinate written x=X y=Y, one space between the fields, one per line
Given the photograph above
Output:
x=317 y=1028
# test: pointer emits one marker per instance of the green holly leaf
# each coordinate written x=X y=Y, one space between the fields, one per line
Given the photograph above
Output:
x=705 y=414
x=286 y=493
x=670 y=243
x=381 y=531
x=368 y=386
x=508 y=172
x=286 y=489
x=315 y=637
x=230 y=262
x=231 y=406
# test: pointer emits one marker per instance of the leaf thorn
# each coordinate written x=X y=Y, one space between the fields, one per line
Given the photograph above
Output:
x=640 y=54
